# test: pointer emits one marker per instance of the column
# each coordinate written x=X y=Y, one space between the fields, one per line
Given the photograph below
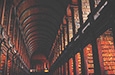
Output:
x=74 y=65
x=73 y=21
x=13 y=57
x=0 y=53
x=97 y=69
x=6 y=62
x=83 y=65
x=113 y=30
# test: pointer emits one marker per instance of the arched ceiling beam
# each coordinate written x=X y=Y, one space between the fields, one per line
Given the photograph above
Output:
x=28 y=3
x=38 y=41
x=38 y=9
x=37 y=37
x=42 y=23
x=49 y=35
x=43 y=16
x=40 y=20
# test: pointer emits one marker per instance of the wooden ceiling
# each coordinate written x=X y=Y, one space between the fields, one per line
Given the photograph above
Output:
x=40 y=21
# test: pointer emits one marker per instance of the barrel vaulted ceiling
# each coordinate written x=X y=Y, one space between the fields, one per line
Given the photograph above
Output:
x=40 y=20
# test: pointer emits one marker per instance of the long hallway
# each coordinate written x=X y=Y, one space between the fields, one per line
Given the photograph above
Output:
x=57 y=37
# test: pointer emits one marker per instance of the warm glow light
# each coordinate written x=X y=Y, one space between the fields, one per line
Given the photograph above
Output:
x=30 y=70
x=46 y=70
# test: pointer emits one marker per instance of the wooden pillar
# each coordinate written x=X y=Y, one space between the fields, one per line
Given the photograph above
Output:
x=73 y=28
x=80 y=12
x=13 y=64
x=97 y=68
x=68 y=68
x=113 y=29
x=92 y=5
x=17 y=66
x=73 y=21
x=9 y=20
x=6 y=62
x=67 y=30
x=83 y=65
x=1 y=9
x=3 y=12
x=74 y=65
x=1 y=40
x=1 y=23
x=64 y=67
x=0 y=52
x=63 y=30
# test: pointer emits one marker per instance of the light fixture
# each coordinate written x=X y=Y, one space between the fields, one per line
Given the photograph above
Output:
x=46 y=70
